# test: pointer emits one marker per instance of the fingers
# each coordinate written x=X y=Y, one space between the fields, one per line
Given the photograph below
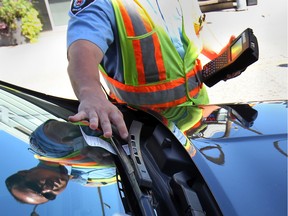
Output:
x=114 y=120
x=81 y=115
x=105 y=125
x=104 y=117
x=93 y=120
x=118 y=121
x=232 y=38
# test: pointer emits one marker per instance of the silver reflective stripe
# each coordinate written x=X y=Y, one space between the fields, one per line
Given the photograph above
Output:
x=151 y=98
x=138 y=25
x=146 y=43
x=149 y=61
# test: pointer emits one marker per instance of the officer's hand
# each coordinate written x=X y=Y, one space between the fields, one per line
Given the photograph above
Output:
x=232 y=38
x=101 y=113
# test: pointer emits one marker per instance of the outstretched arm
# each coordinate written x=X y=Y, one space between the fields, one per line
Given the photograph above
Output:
x=84 y=58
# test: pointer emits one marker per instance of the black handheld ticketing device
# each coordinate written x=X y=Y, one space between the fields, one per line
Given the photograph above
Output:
x=242 y=52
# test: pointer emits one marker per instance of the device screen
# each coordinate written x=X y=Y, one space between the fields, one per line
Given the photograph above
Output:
x=236 y=49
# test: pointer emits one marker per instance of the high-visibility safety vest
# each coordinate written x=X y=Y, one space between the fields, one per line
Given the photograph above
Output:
x=181 y=119
x=184 y=117
x=77 y=160
x=154 y=73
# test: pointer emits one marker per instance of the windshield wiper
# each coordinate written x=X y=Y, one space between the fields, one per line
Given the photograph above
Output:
x=135 y=173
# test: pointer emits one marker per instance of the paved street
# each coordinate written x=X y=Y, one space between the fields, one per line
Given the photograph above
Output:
x=42 y=66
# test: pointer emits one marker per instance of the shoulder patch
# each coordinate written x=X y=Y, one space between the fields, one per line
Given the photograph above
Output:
x=78 y=5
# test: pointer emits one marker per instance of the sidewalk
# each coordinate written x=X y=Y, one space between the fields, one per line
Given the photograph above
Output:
x=40 y=66
x=267 y=78
x=43 y=66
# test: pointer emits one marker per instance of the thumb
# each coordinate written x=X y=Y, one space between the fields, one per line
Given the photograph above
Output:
x=78 y=116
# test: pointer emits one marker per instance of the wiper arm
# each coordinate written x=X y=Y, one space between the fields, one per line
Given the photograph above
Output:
x=143 y=200
x=142 y=175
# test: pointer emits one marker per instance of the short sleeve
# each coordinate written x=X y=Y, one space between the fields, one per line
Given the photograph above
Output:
x=94 y=22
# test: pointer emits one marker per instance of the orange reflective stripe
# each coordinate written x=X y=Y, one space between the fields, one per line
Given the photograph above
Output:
x=197 y=124
x=150 y=68
x=159 y=95
x=159 y=58
x=85 y=165
x=127 y=20
x=157 y=51
x=139 y=56
x=139 y=62
x=149 y=88
x=77 y=160
x=136 y=43
x=175 y=102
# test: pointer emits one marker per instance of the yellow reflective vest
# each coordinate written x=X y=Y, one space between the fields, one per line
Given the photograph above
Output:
x=155 y=75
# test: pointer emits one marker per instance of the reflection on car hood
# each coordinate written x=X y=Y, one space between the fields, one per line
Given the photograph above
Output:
x=241 y=153
x=20 y=115
x=246 y=168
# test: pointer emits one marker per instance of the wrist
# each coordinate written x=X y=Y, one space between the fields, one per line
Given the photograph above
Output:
x=90 y=92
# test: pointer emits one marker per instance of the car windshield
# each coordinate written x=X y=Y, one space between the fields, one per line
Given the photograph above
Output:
x=19 y=117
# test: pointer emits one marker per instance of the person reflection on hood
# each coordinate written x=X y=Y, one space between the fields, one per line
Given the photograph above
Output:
x=63 y=156
x=39 y=184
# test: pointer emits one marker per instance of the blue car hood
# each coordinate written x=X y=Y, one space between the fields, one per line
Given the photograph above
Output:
x=246 y=167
